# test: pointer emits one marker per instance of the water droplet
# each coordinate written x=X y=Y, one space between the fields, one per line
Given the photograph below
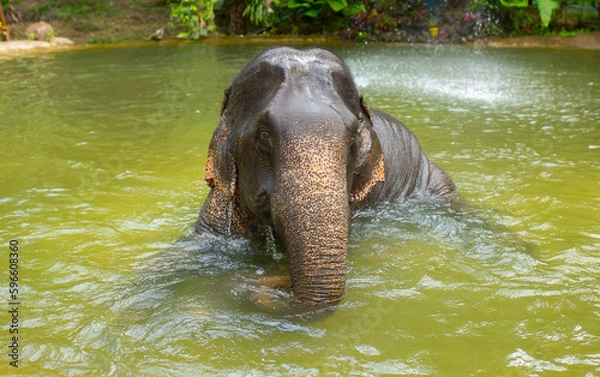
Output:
x=230 y=218
x=271 y=246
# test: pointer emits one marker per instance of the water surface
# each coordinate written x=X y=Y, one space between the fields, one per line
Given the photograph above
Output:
x=102 y=177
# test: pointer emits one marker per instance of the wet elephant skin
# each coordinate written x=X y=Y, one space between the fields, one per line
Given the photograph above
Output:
x=297 y=149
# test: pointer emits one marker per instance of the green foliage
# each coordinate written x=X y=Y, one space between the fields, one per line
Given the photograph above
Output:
x=194 y=17
x=567 y=34
x=261 y=12
x=312 y=8
x=515 y=3
x=546 y=8
x=103 y=40
x=50 y=36
x=524 y=21
x=521 y=19
x=305 y=16
x=353 y=9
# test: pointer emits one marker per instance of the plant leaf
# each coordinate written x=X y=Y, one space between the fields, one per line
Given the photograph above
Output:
x=351 y=10
x=337 y=5
x=515 y=3
x=546 y=8
x=312 y=12
x=297 y=4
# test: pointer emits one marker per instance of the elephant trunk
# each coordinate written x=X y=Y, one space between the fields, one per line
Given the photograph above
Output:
x=311 y=213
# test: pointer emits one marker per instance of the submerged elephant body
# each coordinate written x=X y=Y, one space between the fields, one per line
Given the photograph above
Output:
x=297 y=149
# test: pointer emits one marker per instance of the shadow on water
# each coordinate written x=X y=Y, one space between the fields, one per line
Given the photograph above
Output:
x=200 y=293
x=200 y=265
x=214 y=274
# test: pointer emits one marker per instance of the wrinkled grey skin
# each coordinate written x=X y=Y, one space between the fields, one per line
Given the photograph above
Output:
x=298 y=149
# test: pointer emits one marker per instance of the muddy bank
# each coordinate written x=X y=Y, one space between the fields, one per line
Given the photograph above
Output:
x=587 y=41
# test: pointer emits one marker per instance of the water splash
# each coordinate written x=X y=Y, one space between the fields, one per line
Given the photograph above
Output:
x=230 y=218
x=459 y=75
x=272 y=246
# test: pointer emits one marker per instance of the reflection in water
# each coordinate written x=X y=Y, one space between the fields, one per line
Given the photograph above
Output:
x=102 y=177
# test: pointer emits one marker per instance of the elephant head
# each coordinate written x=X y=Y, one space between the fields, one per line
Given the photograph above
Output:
x=296 y=148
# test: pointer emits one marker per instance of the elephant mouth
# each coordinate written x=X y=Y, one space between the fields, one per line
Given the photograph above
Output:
x=261 y=205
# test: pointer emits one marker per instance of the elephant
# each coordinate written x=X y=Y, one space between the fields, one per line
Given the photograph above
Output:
x=295 y=151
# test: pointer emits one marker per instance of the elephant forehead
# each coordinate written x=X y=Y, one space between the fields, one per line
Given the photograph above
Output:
x=304 y=78
x=316 y=76
x=309 y=83
x=285 y=56
x=290 y=65
x=312 y=96
x=271 y=84
x=314 y=72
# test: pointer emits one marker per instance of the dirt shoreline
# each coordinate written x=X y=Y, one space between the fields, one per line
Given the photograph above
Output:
x=590 y=41
x=583 y=41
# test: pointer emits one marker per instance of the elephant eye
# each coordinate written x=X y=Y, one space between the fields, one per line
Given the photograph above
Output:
x=264 y=135
x=263 y=142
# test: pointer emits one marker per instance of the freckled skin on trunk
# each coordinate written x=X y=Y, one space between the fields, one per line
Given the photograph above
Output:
x=311 y=214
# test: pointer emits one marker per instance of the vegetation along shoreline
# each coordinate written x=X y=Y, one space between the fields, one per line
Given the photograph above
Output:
x=28 y=25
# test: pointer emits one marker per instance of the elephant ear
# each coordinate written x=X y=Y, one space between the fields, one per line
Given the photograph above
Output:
x=369 y=169
x=220 y=171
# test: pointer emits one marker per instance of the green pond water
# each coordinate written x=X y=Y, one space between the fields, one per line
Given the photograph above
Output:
x=101 y=173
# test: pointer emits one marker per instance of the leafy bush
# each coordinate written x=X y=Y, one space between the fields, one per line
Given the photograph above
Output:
x=195 y=17
x=312 y=8
x=261 y=12
x=546 y=8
